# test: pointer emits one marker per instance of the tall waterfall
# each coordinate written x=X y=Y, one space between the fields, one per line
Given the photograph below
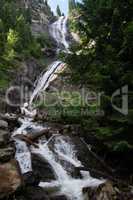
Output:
x=59 y=32
x=58 y=150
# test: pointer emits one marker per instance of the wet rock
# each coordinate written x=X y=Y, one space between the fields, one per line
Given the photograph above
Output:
x=58 y=198
x=31 y=193
x=48 y=52
x=42 y=168
x=3 y=124
x=31 y=179
x=9 y=179
x=6 y=154
x=4 y=136
x=105 y=191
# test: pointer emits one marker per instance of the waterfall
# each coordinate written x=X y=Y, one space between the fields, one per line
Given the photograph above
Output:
x=59 y=151
x=59 y=31
x=46 y=78
x=66 y=184
x=22 y=154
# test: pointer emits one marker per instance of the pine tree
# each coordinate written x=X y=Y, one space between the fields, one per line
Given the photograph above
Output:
x=72 y=5
x=46 y=2
x=58 y=11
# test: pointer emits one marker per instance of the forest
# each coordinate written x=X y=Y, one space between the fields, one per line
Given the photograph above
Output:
x=105 y=62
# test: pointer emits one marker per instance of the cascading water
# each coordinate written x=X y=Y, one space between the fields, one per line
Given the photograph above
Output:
x=46 y=78
x=59 y=31
x=66 y=184
x=62 y=150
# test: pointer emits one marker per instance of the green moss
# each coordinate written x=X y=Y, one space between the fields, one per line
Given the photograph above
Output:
x=4 y=83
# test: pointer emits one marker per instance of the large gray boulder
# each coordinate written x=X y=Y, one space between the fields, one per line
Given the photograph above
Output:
x=10 y=179
x=6 y=154
x=3 y=124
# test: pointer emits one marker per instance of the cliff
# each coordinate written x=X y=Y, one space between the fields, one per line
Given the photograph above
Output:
x=40 y=14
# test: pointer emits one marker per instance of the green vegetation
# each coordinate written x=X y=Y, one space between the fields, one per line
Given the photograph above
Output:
x=72 y=5
x=103 y=62
x=16 y=39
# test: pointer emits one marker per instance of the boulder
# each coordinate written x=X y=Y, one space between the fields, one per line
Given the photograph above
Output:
x=6 y=154
x=42 y=169
x=31 y=179
x=4 y=136
x=105 y=191
x=31 y=193
x=61 y=197
x=3 y=124
x=10 y=179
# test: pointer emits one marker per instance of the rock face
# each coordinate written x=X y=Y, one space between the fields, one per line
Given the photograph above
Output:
x=9 y=179
x=23 y=84
x=3 y=124
x=40 y=14
x=103 y=192
x=108 y=191
x=32 y=193
x=6 y=151
x=4 y=135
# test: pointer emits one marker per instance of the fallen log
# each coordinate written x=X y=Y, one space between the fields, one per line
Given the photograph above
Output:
x=34 y=136
x=31 y=137
x=26 y=139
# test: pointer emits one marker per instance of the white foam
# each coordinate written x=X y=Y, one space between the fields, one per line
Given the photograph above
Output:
x=59 y=30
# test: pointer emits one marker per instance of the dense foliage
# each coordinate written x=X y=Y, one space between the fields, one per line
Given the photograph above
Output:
x=15 y=35
x=104 y=58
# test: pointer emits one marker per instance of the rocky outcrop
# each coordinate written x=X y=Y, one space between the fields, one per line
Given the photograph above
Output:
x=31 y=193
x=108 y=191
x=41 y=14
x=4 y=135
x=22 y=84
x=28 y=71
x=9 y=179
x=3 y=124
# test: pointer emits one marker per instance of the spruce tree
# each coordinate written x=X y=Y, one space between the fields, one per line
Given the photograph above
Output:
x=58 y=11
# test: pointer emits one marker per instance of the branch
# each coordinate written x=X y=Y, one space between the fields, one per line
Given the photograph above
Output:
x=30 y=138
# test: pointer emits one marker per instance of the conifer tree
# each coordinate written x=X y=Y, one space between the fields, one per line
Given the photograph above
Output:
x=58 y=11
